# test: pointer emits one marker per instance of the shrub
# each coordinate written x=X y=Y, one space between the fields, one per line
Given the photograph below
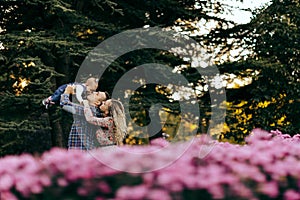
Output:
x=267 y=167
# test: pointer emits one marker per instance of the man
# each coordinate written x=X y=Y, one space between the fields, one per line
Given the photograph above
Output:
x=82 y=134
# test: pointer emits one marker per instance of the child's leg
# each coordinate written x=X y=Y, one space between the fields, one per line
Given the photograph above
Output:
x=55 y=97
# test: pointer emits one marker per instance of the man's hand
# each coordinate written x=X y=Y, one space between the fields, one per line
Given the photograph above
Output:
x=70 y=89
x=85 y=103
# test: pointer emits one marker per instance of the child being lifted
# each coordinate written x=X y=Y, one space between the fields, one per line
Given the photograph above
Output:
x=81 y=91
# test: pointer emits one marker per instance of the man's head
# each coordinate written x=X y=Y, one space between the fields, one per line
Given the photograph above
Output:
x=95 y=98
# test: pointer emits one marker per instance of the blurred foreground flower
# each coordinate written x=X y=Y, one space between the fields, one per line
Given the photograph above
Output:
x=267 y=167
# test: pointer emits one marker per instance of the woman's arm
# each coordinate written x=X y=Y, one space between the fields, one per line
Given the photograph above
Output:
x=99 y=121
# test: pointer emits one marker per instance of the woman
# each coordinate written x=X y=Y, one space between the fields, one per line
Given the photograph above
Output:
x=113 y=128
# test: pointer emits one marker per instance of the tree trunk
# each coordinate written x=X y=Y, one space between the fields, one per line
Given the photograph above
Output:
x=56 y=134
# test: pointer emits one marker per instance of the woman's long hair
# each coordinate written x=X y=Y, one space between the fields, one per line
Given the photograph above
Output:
x=118 y=115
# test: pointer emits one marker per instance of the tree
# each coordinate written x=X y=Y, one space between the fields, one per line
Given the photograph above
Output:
x=42 y=49
x=45 y=47
x=271 y=99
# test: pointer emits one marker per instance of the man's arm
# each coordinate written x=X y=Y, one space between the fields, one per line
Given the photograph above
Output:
x=69 y=106
x=69 y=109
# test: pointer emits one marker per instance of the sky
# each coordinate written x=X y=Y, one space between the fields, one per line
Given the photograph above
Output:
x=242 y=17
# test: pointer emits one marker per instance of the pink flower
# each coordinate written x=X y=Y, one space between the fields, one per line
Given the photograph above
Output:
x=155 y=194
x=11 y=161
x=44 y=179
x=228 y=171
x=291 y=195
x=217 y=191
x=6 y=182
x=82 y=191
x=276 y=132
x=258 y=135
x=159 y=142
x=62 y=182
x=6 y=195
x=104 y=187
x=148 y=178
x=296 y=138
x=133 y=193
x=270 y=189
x=36 y=188
x=284 y=136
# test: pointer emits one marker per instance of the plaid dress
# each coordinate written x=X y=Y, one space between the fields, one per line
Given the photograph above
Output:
x=82 y=134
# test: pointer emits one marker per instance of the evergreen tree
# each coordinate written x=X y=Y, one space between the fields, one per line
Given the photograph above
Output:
x=44 y=42
x=271 y=100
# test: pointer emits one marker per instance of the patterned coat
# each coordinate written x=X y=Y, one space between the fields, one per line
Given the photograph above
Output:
x=105 y=131
x=82 y=133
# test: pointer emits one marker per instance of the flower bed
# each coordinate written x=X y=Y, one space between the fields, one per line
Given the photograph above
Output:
x=268 y=167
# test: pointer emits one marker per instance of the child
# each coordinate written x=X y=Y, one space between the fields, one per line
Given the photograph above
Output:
x=81 y=91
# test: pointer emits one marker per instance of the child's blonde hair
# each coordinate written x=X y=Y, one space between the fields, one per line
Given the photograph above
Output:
x=91 y=84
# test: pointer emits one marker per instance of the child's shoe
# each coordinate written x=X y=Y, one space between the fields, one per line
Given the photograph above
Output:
x=46 y=102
